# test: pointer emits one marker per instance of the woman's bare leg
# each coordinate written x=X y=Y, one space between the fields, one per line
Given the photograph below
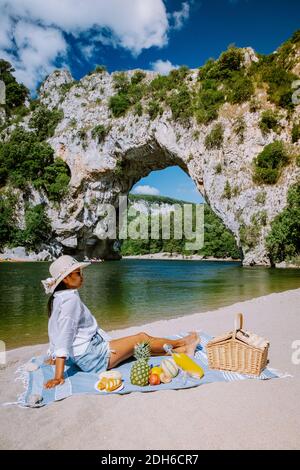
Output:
x=124 y=347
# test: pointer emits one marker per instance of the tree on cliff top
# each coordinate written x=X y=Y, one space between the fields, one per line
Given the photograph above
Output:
x=16 y=93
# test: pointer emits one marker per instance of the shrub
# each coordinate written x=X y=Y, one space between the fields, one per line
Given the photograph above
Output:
x=100 y=69
x=38 y=227
x=177 y=76
x=239 y=88
x=121 y=82
x=260 y=218
x=218 y=168
x=218 y=240
x=119 y=167
x=24 y=159
x=16 y=93
x=8 y=228
x=239 y=128
x=129 y=92
x=295 y=133
x=138 y=109
x=268 y=164
x=207 y=71
x=137 y=77
x=249 y=235
x=227 y=190
x=229 y=62
x=215 y=138
x=260 y=198
x=154 y=109
x=161 y=82
x=268 y=122
x=44 y=121
x=136 y=93
x=99 y=133
x=34 y=104
x=279 y=80
x=119 y=104
x=254 y=105
x=18 y=114
x=180 y=104
x=65 y=87
x=55 y=180
x=208 y=102
x=235 y=190
x=283 y=241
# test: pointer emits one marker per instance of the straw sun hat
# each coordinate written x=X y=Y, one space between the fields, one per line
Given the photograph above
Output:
x=59 y=269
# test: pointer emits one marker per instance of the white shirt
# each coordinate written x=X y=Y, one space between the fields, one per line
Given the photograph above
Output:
x=71 y=325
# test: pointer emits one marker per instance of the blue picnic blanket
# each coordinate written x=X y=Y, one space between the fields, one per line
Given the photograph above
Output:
x=78 y=382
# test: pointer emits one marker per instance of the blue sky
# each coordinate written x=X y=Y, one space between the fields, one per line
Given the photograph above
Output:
x=37 y=37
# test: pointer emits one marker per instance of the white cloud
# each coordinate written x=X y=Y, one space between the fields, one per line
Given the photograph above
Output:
x=181 y=16
x=163 y=66
x=146 y=189
x=5 y=30
x=32 y=31
x=36 y=45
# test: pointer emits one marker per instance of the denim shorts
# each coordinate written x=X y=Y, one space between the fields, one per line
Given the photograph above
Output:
x=96 y=357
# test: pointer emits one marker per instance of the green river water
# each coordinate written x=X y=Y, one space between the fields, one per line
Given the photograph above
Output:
x=133 y=292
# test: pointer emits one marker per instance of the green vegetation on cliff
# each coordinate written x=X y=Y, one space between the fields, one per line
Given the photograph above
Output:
x=227 y=79
x=16 y=93
x=24 y=159
x=44 y=121
x=269 y=163
x=25 y=156
x=37 y=225
x=283 y=241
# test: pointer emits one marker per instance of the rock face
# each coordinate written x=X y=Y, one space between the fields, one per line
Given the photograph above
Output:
x=136 y=145
x=20 y=253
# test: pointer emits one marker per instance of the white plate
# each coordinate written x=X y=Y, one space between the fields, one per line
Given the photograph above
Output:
x=105 y=391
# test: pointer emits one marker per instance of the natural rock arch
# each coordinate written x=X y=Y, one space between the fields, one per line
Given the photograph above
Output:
x=135 y=145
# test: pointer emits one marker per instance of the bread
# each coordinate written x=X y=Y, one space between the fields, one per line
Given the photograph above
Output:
x=109 y=385
x=110 y=374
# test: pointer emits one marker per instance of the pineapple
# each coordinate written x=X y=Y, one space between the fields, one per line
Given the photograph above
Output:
x=139 y=374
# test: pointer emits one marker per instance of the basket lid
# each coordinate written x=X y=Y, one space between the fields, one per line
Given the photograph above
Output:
x=238 y=333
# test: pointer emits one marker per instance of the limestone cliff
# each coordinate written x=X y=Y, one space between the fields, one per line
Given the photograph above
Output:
x=138 y=142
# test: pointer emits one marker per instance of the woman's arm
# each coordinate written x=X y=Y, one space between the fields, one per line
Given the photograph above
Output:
x=59 y=373
x=62 y=336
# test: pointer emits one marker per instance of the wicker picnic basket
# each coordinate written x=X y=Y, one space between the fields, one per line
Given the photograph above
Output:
x=238 y=351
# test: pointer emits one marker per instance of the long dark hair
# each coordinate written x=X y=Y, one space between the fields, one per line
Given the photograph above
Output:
x=60 y=286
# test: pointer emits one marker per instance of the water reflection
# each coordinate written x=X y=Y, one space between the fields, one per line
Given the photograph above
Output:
x=133 y=292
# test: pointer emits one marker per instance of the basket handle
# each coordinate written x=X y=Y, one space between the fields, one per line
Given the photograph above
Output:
x=238 y=324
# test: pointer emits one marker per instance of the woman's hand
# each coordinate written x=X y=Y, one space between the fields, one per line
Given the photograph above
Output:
x=54 y=382
x=59 y=373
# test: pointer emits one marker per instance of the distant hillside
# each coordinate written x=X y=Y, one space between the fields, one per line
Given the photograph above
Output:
x=156 y=199
x=218 y=240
